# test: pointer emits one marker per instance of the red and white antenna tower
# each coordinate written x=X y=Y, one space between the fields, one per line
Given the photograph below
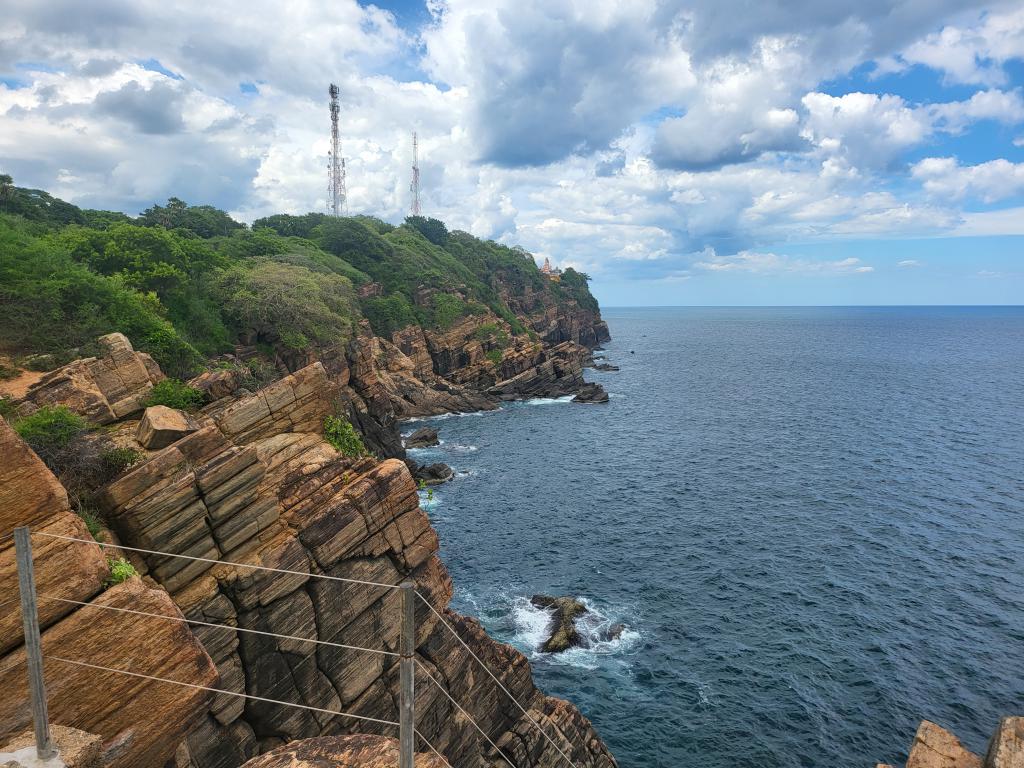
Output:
x=336 y=195
x=414 y=185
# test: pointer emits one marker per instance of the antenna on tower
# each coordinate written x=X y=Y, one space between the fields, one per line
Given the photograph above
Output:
x=414 y=185
x=336 y=201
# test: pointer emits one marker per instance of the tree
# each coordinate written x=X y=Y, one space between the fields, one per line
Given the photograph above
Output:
x=202 y=220
x=433 y=229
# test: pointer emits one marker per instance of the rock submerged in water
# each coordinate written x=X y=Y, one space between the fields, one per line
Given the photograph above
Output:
x=591 y=393
x=424 y=437
x=430 y=474
x=564 y=634
x=605 y=367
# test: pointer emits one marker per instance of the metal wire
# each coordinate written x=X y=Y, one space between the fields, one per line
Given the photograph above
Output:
x=495 y=679
x=220 y=690
x=218 y=626
x=459 y=706
x=222 y=562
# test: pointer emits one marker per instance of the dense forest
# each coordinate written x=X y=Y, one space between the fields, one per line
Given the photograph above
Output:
x=187 y=282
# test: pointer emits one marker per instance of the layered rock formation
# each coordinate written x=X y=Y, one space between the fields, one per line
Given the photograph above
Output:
x=140 y=721
x=102 y=389
x=257 y=484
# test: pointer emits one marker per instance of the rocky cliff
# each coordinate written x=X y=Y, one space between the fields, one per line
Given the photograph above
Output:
x=251 y=481
x=935 y=747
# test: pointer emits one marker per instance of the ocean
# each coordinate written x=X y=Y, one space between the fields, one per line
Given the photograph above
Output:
x=811 y=521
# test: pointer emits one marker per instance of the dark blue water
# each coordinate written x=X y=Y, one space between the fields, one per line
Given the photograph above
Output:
x=811 y=519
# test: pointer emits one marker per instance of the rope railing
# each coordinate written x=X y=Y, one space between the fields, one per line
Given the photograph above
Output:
x=407 y=658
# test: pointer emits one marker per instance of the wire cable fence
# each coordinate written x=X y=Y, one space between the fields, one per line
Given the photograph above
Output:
x=407 y=659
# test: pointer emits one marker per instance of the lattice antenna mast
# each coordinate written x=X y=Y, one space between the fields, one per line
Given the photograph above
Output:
x=414 y=186
x=336 y=202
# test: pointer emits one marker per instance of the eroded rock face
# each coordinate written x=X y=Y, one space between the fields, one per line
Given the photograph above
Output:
x=102 y=389
x=359 y=751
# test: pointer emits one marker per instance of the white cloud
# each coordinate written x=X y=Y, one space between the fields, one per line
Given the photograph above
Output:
x=944 y=177
x=771 y=263
x=909 y=263
x=972 y=54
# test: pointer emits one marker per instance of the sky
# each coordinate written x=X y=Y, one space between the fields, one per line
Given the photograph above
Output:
x=707 y=152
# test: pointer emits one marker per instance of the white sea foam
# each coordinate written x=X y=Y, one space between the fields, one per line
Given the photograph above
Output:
x=458 y=448
x=548 y=400
x=532 y=627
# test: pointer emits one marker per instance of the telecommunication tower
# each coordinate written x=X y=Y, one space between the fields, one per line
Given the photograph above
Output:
x=336 y=195
x=414 y=185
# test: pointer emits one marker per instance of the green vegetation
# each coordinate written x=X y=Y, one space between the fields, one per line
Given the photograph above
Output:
x=92 y=522
x=120 y=571
x=7 y=408
x=50 y=429
x=340 y=433
x=186 y=282
x=117 y=459
x=175 y=394
x=494 y=356
x=7 y=372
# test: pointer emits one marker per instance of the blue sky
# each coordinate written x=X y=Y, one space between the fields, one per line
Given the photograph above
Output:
x=707 y=152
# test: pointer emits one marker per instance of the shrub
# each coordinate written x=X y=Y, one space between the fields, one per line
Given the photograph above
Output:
x=447 y=309
x=494 y=356
x=8 y=372
x=120 y=571
x=50 y=429
x=7 y=407
x=340 y=433
x=175 y=394
x=117 y=459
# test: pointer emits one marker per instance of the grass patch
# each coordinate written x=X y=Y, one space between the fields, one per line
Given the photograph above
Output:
x=50 y=429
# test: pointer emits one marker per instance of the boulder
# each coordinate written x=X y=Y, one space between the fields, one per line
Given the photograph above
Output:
x=431 y=474
x=605 y=367
x=102 y=389
x=591 y=393
x=935 y=747
x=357 y=751
x=219 y=383
x=563 y=634
x=161 y=426
x=1006 y=750
x=424 y=437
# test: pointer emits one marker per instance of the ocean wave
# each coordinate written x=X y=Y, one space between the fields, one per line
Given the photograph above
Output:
x=532 y=626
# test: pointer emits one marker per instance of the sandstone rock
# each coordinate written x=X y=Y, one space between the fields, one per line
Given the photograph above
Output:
x=161 y=426
x=424 y=437
x=591 y=393
x=31 y=496
x=360 y=751
x=141 y=721
x=1006 y=750
x=77 y=749
x=102 y=389
x=565 y=610
x=219 y=383
x=935 y=747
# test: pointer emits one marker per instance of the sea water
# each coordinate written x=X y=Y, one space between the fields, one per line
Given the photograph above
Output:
x=810 y=520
